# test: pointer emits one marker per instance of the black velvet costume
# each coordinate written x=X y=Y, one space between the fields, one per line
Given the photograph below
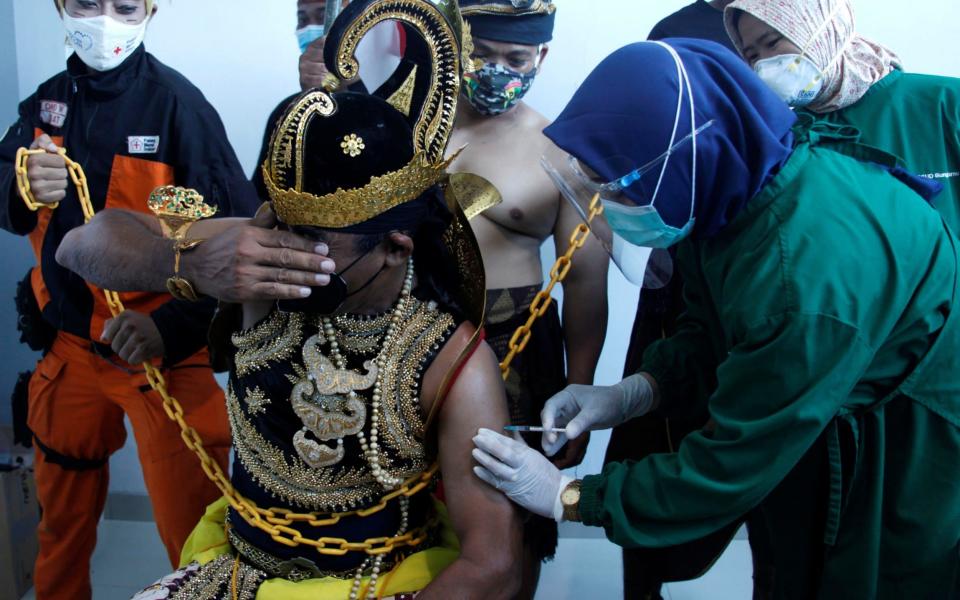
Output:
x=325 y=409
x=268 y=469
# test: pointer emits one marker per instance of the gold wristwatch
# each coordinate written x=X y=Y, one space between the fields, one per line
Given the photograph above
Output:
x=178 y=209
x=570 y=500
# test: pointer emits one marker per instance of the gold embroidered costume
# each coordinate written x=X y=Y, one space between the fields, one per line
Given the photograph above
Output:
x=335 y=459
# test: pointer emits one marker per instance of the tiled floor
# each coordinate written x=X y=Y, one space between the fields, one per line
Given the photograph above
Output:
x=129 y=556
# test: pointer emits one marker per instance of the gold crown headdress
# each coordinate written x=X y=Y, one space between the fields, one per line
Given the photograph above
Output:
x=435 y=82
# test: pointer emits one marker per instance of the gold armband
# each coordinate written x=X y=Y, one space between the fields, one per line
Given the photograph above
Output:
x=178 y=209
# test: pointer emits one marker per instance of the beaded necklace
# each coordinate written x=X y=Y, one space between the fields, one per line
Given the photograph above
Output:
x=371 y=448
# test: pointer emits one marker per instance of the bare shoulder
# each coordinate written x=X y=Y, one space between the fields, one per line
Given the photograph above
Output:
x=532 y=123
x=463 y=361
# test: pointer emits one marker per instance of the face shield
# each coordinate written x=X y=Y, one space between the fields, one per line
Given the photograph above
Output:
x=630 y=227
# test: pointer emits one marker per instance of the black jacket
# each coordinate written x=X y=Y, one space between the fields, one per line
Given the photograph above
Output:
x=133 y=128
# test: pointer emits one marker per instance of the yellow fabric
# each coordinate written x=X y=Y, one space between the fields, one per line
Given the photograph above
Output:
x=209 y=540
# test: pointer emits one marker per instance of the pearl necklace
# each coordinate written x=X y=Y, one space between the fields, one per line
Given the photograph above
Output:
x=371 y=447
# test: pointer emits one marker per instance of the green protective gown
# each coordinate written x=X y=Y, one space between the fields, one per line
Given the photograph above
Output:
x=823 y=329
x=917 y=118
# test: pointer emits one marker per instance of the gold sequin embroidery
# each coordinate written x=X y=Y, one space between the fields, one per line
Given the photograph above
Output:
x=289 y=478
x=275 y=339
x=329 y=488
x=257 y=401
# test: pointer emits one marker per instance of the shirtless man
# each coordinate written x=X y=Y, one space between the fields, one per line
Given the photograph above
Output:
x=504 y=142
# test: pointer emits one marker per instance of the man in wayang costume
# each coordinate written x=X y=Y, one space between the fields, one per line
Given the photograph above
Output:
x=341 y=403
x=504 y=142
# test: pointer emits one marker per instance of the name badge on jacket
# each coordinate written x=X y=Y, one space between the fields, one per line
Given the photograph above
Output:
x=143 y=144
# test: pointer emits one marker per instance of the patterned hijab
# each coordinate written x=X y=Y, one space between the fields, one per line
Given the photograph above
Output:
x=862 y=64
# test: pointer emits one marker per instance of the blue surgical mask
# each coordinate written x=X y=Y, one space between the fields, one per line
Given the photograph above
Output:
x=308 y=35
x=643 y=225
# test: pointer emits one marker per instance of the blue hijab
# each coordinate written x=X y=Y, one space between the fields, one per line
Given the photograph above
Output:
x=623 y=114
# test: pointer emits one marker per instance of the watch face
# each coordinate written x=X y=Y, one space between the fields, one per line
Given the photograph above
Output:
x=570 y=496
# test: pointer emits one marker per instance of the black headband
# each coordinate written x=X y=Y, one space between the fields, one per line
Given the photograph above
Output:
x=529 y=30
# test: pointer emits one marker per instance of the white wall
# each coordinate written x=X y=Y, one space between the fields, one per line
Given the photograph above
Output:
x=243 y=55
x=17 y=357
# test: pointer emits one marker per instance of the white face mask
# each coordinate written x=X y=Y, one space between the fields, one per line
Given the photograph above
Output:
x=793 y=77
x=102 y=43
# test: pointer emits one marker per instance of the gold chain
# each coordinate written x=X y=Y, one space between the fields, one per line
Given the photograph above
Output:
x=275 y=522
x=541 y=303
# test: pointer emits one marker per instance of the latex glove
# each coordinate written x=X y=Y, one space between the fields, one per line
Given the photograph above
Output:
x=581 y=408
x=520 y=472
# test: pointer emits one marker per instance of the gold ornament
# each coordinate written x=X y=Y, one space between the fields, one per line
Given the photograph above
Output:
x=177 y=209
x=344 y=208
x=326 y=402
x=353 y=145
x=533 y=7
x=402 y=99
x=474 y=193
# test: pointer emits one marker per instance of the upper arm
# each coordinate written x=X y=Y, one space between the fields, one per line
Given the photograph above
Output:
x=485 y=521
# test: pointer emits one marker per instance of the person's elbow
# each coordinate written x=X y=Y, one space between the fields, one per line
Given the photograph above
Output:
x=507 y=569
x=71 y=247
x=499 y=573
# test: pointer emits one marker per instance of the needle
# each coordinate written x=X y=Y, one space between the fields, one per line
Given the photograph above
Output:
x=526 y=428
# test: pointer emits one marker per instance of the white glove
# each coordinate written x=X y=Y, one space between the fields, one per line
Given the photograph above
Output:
x=520 y=472
x=582 y=408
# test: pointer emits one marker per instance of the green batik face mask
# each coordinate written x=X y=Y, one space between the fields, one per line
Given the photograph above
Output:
x=495 y=89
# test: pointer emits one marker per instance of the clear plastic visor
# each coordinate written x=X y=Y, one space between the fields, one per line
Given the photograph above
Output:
x=644 y=267
x=582 y=188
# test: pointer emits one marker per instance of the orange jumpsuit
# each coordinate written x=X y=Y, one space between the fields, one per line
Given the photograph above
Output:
x=77 y=403
x=132 y=128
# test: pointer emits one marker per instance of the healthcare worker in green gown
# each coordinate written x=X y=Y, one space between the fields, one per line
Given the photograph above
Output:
x=809 y=52
x=822 y=330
